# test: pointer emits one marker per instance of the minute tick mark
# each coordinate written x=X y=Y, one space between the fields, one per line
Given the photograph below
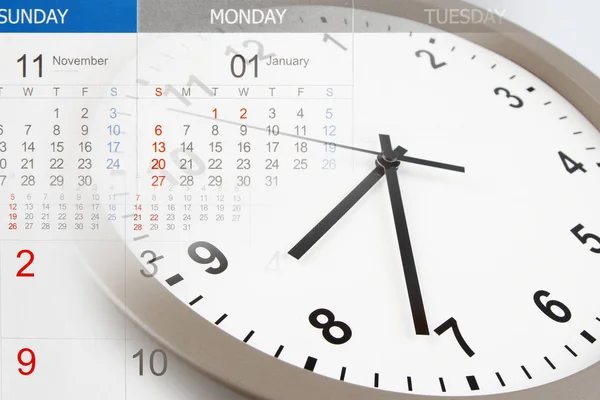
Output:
x=500 y=379
x=472 y=382
x=570 y=351
x=549 y=363
x=279 y=350
x=587 y=336
x=197 y=299
x=221 y=319
x=155 y=259
x=175 y=279
x=442 y=385
x=310 y=364
x=248 y=336
x=527 y=374
x=343 y=374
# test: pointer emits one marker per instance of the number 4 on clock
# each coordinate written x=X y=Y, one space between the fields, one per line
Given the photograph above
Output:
x=571 y=165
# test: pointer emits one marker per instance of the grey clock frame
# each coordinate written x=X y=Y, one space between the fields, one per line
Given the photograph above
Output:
x=261 y=376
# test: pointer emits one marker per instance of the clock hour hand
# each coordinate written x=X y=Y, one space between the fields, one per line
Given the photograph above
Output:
x=390 y=162
x=429 y=163
x=339 y=211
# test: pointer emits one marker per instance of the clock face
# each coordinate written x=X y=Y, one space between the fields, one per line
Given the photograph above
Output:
x=466 y=282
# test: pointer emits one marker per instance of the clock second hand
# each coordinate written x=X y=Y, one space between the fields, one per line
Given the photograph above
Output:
x=410 y=160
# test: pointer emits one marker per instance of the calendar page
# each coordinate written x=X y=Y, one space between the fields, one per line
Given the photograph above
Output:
x=120 y=122
x=198 y=191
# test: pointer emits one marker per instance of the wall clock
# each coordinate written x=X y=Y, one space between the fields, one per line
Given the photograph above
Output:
x=451 y=250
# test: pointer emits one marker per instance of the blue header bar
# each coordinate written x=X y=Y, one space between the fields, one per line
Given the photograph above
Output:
x=69 y=16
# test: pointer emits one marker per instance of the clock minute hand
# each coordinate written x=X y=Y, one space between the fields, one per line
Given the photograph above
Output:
x=339 y=211
x=406 y=253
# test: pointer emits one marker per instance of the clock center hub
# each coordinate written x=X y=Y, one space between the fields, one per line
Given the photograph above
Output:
x=387 y=162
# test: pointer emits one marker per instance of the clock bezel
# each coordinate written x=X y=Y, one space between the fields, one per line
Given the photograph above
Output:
x=260 y=376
